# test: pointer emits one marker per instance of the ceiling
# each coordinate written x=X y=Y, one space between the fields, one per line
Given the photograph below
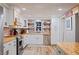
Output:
x=42 y=10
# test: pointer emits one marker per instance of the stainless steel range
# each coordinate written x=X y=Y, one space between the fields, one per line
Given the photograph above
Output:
x=19 y=45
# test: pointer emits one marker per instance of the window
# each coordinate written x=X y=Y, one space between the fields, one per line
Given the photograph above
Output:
x=38 y=26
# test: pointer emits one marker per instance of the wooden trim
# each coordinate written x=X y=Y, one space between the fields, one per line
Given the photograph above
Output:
x=70 y=10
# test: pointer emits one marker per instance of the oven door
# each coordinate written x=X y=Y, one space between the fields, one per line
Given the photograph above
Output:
x=19 y=46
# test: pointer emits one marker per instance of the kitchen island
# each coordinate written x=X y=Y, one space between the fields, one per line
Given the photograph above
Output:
x=14 y=43
x=9 y=45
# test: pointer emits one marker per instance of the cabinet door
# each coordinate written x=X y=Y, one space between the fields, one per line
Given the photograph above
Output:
x=46 y=39
x=6 y=51
x=10 y=48
x=7 y=48
x=35 y=39
x=13 y=48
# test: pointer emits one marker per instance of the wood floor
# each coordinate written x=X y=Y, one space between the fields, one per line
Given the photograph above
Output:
x=38 y=50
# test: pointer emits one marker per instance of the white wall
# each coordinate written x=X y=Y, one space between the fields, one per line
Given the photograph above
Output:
x=61 y=29
x=59 y=33
x=55 y=31
x=9 y=15
x=21 y=20
x=69 y=35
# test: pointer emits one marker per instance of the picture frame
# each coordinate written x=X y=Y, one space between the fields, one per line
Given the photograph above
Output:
x=68 y=23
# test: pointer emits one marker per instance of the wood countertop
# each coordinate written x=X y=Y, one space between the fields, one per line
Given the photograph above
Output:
x=70 y=48
x=7 y=39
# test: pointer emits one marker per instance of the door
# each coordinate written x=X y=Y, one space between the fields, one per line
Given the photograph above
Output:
x=1 y=30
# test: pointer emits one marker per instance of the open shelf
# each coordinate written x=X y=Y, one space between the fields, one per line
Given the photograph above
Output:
x=46 y=26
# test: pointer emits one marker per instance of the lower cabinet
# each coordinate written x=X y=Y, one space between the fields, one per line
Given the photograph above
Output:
x=10 y=48
x=13 y=48
x=46 y=40
x=35 y=39
x=6 y=49
x=58 y=51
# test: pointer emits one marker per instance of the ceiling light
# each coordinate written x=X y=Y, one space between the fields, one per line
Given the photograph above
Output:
x=23 y=8
x=59 y=9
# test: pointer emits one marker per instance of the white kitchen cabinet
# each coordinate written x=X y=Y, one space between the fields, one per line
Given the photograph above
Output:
x=55 y=31
x=13 y=48
x=6 y=49
x=10 y=48
x=35 y=39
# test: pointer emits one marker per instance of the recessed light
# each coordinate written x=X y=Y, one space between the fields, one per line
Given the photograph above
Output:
x=59 y=9
x=23 y=8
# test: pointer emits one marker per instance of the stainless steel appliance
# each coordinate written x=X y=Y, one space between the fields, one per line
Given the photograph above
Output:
x=19 y=45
